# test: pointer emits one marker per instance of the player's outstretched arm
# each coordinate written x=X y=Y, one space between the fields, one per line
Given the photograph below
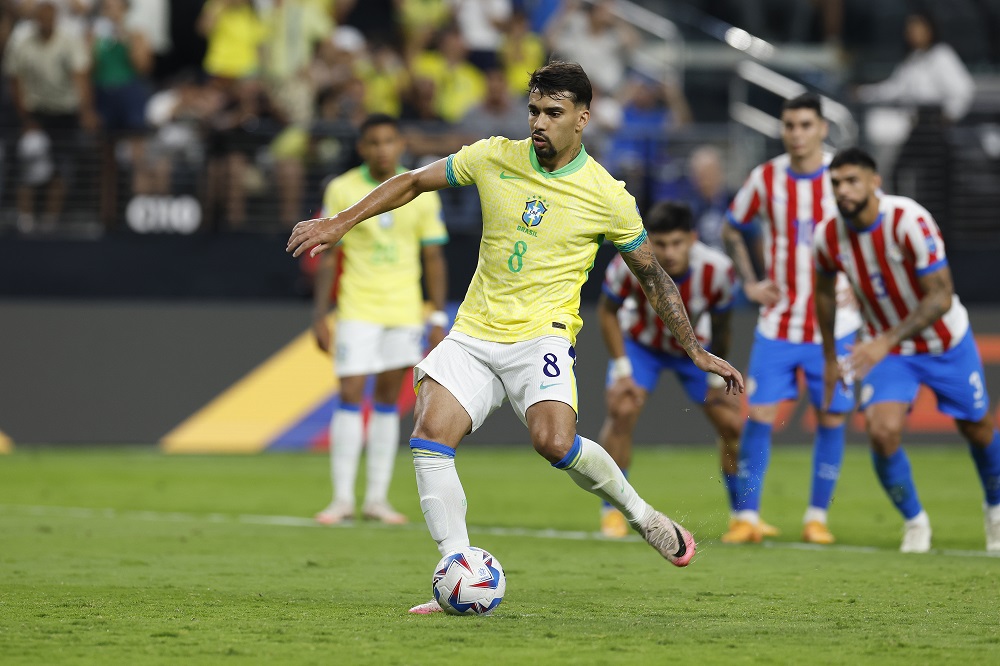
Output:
x=322 y=233
x=662 y=294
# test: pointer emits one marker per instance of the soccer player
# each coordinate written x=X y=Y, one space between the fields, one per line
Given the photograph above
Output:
x=380 y=318
x=641 y=347
x=791 y=194
x=891 y=250
x=547 y=206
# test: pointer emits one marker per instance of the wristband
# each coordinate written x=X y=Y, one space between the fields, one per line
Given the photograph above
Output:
x=438 y=318
x=621 y=367
x=715 y=381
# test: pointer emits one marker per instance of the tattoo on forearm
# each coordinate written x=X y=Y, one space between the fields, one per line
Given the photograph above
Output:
x=932 y=306
x=662 y=294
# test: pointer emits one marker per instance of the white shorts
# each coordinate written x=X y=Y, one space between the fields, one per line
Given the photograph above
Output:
x=364 y=348
x=481 y=374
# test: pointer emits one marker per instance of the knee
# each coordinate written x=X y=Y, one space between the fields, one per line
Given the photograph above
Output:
x=885 y=437
x=552 y=444
x=623 y=413
x=979 y=434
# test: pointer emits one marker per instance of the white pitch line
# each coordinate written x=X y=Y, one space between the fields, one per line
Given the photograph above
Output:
x=299 y=521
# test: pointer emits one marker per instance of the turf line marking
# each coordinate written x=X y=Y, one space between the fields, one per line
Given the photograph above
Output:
x=531 y=533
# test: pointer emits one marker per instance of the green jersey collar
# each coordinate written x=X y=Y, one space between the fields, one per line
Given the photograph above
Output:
x=575 y=165
x=366 y=173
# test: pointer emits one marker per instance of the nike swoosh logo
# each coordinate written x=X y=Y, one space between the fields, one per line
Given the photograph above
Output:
x=544 y=386
x=682 y=548
x=504 y=176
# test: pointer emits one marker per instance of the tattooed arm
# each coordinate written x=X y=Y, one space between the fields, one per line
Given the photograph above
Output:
x=662 y=294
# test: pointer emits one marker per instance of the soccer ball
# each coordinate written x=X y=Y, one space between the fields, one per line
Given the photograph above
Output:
x=469 y=581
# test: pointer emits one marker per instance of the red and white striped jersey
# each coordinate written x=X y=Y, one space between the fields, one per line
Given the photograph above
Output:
x=790 y=205
x=706 y=287
x=884 y=263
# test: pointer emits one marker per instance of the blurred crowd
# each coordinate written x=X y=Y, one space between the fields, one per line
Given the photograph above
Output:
x=224 y=99
x=247 y=106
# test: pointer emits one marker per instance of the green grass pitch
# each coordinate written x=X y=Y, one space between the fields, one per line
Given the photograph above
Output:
x=127 y=556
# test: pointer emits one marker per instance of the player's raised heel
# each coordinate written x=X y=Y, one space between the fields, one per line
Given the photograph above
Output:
x=431 y=606
x=613 y=524
x=383 y=513
x=335 y=514
x=816 y=531
x=916 y=538
x=743 y=531
x=669 y=539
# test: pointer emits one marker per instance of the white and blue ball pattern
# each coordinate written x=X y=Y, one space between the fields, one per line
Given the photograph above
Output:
x=469 y=581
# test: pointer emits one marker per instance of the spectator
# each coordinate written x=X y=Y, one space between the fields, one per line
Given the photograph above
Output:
x=295 y=28
x=385 y=78
x=421 y=20
x=458 y=85
x=499 y=114
x=481 y=23
x=595 y=39
x=151 y=19
x=48 y=66
x=73 y=16
x=709 y=198
x=521 y=53
x=122 y=60
x=235 y=34
x=930 y=89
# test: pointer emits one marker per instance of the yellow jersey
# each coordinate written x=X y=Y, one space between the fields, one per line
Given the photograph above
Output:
x=380 y=282
x=541 y=232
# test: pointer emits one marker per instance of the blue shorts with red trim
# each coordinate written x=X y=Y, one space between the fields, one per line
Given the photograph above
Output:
x=773 y=373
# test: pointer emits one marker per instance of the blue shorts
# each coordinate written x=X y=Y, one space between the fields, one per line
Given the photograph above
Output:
x=773 y=375
x=956 y=377
x=647 y=364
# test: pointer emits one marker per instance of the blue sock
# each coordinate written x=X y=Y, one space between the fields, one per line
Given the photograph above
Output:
x=755 y=453
x=897 y=479
x=988 y=465
x=828 y=453
x=732 y=482
x=604 y=503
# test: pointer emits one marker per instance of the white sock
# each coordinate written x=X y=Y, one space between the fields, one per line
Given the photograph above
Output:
x=383 y=441
x=816 y=514
x=594 y=470
x=346 y=440
x=748 y=516
x=442 y=498
x=921 y=519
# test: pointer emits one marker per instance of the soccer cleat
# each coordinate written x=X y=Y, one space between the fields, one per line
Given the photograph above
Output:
x=669 y=539
x=613 y=523
x=431 y=606
x=991 y=518
x=916 y=538
x=817 y=532
x=766 y=529
x=743 y=531
x=383 y=513
x=336 y=513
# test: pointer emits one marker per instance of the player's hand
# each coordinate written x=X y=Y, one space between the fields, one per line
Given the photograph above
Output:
x=765 y=292
x=624 y=389
x=323 y=334
x=833 y=373
x=435 y=336
x=711 y=363
x=866 y=355
x=320 y=234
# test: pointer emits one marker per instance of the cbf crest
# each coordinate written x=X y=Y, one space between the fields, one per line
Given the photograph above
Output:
x=533 y=212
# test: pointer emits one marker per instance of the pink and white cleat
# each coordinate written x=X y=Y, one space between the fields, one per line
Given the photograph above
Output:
x=335 y=514
x=431 y=606
x=669 y=539
x=383 y=513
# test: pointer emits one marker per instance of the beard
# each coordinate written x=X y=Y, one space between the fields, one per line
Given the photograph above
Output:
x=851 y=209
x=546 y=152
